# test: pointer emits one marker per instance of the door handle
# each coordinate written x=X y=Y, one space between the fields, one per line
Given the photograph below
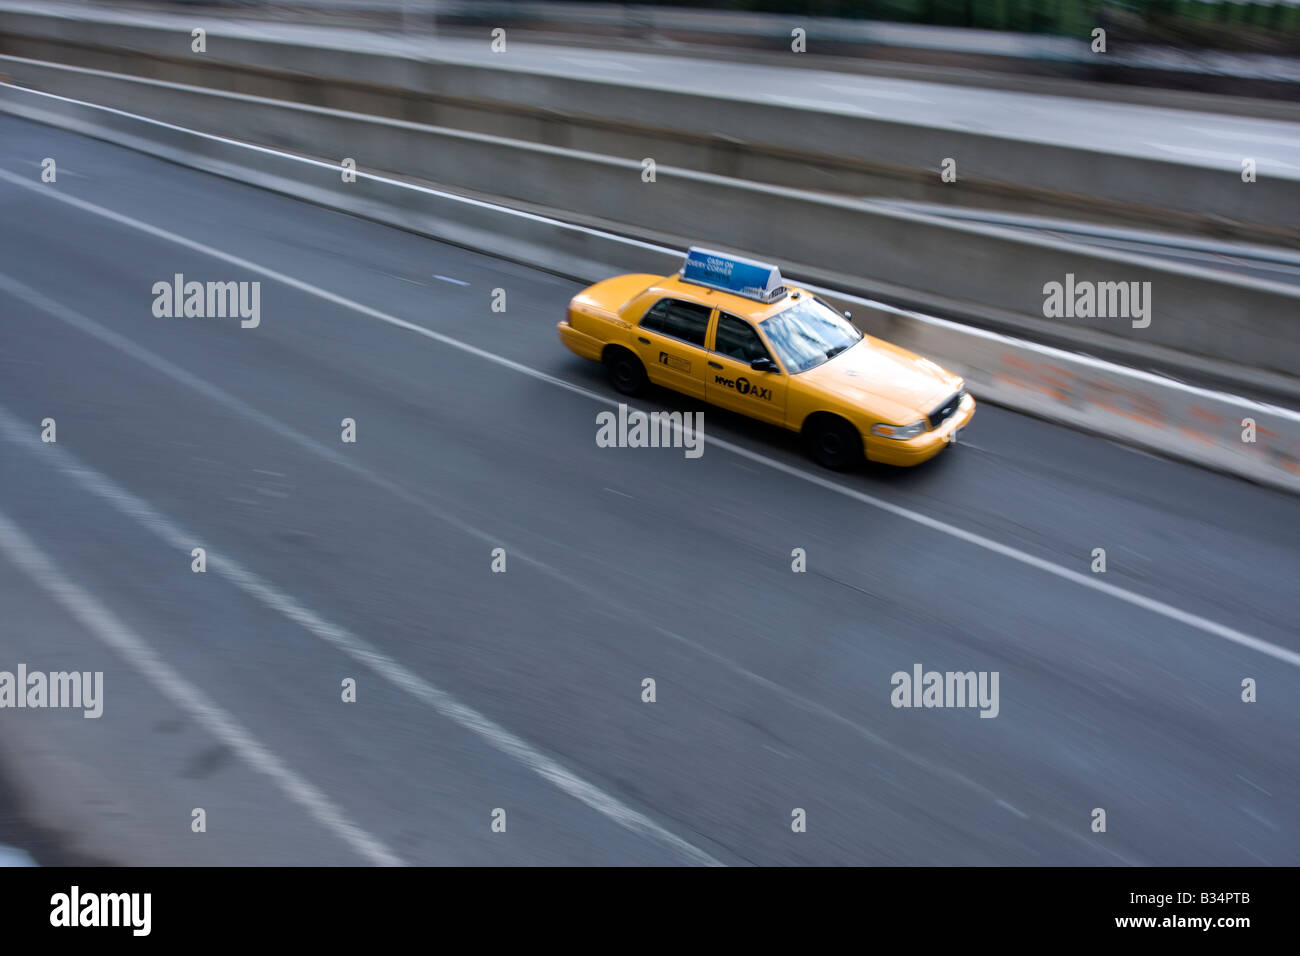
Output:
x=713 y=364
x=643 y=340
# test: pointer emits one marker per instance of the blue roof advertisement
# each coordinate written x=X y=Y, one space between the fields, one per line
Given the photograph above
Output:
x=754 y=280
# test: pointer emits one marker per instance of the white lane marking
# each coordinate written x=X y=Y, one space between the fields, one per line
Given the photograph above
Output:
x=450 y=279
x=1247 y=849
x=803 y=102
x=1245 y=135
x=600 y=64
x=1232 y=159
x=1253 y=784
x=100 y=621
x=344 y=640
x=1018 y=812
x=394 y=275
x=877 y=94
x=1258 y=818
x=11 y=430
x=12 y=856
x=1196 y=621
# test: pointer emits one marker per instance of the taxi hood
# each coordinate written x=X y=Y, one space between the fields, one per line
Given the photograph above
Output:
x=892 y=383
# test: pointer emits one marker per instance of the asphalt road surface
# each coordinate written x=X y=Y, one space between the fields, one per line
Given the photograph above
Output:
x=521 y=691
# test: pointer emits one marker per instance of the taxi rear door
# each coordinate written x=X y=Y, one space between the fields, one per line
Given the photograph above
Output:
x=671 y=342
x=732 y=381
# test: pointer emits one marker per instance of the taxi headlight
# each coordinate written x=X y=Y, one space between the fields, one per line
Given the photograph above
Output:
x=899 y=432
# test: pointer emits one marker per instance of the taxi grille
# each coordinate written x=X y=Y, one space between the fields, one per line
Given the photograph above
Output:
x=945 y=411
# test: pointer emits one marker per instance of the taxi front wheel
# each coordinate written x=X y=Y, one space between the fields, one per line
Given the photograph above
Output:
x=832 y=442
x=626 y=373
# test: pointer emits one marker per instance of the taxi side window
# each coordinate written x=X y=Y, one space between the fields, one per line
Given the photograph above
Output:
x=682 y=320
x=737 y=339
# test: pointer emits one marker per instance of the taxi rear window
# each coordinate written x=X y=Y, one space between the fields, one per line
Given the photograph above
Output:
x=681 y=320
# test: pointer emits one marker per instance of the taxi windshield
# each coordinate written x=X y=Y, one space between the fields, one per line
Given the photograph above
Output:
x=808 y=334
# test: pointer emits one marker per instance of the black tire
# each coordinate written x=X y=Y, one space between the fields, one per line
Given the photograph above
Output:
x=832 y=442
x=626 y=373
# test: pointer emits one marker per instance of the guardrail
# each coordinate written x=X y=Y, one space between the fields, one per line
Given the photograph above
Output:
x=1239 y=328
x=1136 y=407
x=792 y=145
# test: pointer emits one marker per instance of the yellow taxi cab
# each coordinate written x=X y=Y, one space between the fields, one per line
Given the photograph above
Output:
x=729 y=331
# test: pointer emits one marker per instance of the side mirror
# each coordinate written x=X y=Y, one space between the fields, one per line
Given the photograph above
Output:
x=763 y=365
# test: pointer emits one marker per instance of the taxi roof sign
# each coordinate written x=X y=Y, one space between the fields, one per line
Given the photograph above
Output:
x=721 y=270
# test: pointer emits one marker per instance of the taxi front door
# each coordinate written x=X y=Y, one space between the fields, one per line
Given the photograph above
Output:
x=732 y=381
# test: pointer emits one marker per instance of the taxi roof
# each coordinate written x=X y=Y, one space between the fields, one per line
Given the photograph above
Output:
x=674 y=285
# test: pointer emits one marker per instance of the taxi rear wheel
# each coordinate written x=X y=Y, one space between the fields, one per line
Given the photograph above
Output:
x=626 y=373
x=832 y=442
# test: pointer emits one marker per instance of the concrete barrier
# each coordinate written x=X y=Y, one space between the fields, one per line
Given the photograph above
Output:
x=1136 y=407
x=743 y=138
x=1239 y=328
x=1128 y=405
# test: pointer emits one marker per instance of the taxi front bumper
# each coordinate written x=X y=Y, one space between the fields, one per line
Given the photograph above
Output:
x=923 y=447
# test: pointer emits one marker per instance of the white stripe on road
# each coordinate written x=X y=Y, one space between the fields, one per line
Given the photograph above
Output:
x=12 y=856
x=600 y=64
x=101 y=622
x=1230 y=159
x=1196 y=621
x=875 y=93
x=1238 y=135
x=355 y=647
